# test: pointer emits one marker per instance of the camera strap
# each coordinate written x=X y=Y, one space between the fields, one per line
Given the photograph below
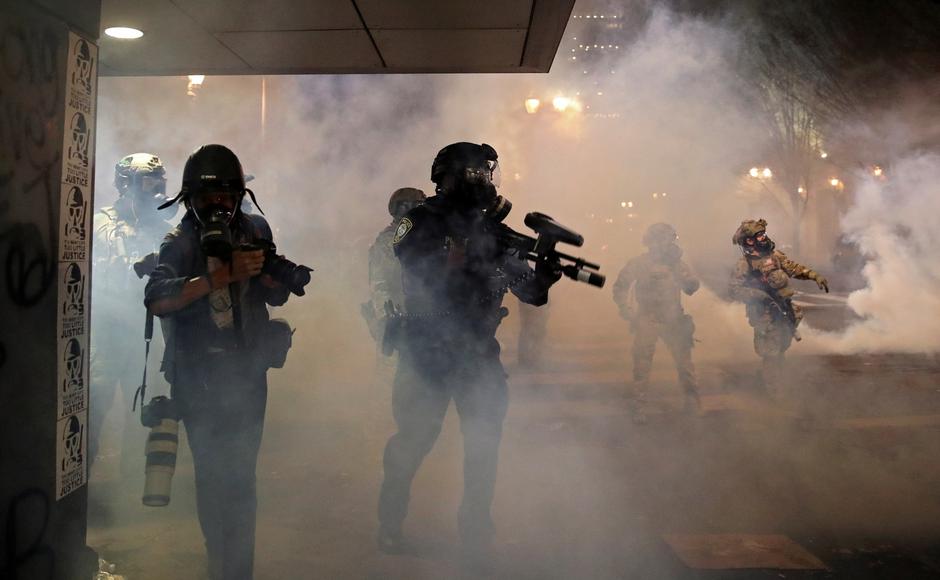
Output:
x=141 y=391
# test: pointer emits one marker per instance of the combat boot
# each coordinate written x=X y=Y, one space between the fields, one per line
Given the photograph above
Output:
x=692 y=406
x=392 y=541
x=478 y=556
x=638 y=409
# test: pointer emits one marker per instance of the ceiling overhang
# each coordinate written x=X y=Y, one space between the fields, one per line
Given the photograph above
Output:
x=244 y=37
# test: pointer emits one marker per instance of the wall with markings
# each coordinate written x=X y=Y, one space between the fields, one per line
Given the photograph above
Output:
x=48 y=78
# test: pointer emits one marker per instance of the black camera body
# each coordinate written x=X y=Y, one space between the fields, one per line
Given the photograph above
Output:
x=279 y=268
x=158 y=409
x=216 y=241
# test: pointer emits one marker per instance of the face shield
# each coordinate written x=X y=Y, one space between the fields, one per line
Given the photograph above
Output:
x=488 y=174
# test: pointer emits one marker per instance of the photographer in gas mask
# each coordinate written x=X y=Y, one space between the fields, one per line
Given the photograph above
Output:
x=217 y=272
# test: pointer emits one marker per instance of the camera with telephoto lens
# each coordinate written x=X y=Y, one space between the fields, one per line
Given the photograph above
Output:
x=162 y=416
x=216 y=241
x=279 y=268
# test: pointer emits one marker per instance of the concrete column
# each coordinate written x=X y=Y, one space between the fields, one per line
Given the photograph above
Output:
x=48 y=77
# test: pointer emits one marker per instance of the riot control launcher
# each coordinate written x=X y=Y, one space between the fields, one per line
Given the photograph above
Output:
x=542 y=249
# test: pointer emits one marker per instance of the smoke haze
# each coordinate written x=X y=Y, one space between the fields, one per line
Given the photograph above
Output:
x=666 y=132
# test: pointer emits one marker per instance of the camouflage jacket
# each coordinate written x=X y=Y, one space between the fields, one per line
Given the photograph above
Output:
x=757 y=279
x=657 y=284
x=117 y=245
x=384 y=272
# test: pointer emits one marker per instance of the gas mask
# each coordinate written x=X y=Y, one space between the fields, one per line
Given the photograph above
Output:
x=759 y=243
x=666 y=252
x=476 y=187
x=146 y=193
x=215 y=211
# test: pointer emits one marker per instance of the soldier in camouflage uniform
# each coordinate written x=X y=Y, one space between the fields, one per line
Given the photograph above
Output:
x=761 y=280
x=657 y=279
x=384 y=269
x=126 y=236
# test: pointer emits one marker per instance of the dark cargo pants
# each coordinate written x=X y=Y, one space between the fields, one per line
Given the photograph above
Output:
x=223 y=408
x=420 y=398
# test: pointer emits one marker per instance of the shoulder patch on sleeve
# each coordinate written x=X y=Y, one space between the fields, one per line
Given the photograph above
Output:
x=404 y=226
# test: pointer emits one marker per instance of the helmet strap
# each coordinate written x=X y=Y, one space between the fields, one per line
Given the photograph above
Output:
x=170 y=202
x=253 y=200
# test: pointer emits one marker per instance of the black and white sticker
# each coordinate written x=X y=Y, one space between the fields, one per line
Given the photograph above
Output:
x=71 y=453
x=72 y=378
x=74 y=249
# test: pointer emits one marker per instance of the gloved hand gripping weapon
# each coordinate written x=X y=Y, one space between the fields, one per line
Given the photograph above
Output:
x=784 y=307
x=542 y=249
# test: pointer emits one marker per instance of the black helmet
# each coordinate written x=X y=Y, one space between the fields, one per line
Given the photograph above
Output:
x=659 y=233
x=212 y=167
x=457 y=158
x=404 y=199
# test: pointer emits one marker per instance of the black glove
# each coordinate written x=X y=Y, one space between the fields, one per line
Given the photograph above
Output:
x=146 y=265
x=547 y=273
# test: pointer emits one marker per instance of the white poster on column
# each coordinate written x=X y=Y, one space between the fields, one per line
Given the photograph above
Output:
x=72 y=380
x=74 y=290
x=71 y=454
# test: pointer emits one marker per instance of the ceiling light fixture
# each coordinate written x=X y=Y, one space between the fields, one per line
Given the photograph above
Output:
x=123 y=32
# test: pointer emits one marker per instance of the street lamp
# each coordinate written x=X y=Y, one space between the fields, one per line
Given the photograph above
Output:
x=561 y=103
x=532 y=106
x=760 y=172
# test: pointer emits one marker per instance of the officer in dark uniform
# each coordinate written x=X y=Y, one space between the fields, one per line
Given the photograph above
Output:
x=455 y=274
x=216 y=357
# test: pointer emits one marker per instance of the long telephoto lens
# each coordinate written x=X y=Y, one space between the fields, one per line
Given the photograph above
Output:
x=162 y=444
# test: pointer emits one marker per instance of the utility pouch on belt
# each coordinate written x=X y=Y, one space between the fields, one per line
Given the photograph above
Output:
x=393 y=329
x=278 y=340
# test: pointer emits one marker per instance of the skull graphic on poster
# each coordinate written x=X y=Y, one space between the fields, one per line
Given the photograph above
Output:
x=72 y=439
x=84 y=66
x=74 y=364
x=74 y=291
x=78 y=150
x=75 y=220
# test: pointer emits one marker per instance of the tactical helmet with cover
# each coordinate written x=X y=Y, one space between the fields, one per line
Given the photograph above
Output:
x=658 y=234
x=140 y=172
x=403 y=200
x=748 y=229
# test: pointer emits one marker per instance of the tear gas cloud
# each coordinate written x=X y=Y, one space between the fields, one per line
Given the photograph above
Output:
x=900 y=305
x=670 y=115
x=333 y=148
